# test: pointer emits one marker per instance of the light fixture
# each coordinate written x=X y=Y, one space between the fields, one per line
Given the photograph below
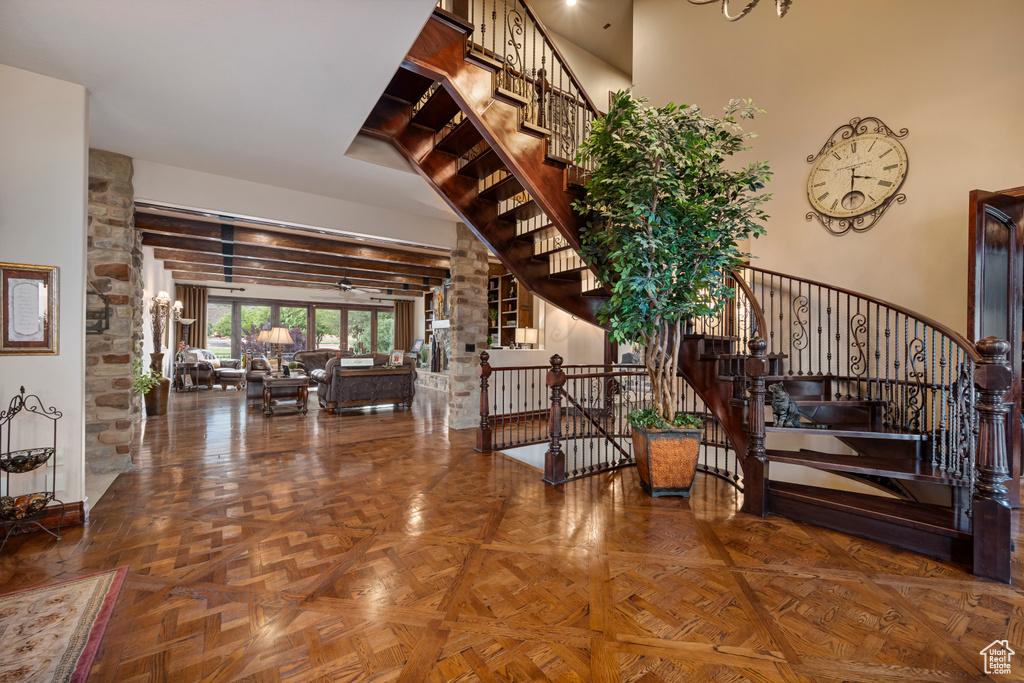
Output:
x=279 y=336
x=570 y=3
x=781 y=7
x=527 y=335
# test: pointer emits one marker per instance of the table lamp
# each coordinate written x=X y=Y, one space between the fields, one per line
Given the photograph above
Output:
x=526 y=335
x=279 y=336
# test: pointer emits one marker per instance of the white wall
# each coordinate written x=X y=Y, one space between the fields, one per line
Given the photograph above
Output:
x=949 y=72
x=220 y=194
x=155 y=279
x=44 y=148
x=597 y=76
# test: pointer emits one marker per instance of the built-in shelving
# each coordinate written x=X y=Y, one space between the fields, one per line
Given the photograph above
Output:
x=508 y=307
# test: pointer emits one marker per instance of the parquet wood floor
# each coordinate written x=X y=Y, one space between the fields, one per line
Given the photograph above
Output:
x=378 y=546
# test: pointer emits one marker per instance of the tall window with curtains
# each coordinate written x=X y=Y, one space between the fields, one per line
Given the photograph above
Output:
x=232 y=326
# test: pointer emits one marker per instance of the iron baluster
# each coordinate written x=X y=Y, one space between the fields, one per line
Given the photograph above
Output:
x=819 y=331
x=828 y=322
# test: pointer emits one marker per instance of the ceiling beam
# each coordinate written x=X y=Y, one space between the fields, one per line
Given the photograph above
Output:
x=184 y=227
x=210 y=251
x=181 y=256
x=324 y=283
x=393 y=281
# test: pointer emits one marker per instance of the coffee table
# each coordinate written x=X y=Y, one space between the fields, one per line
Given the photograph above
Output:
x=282 y=386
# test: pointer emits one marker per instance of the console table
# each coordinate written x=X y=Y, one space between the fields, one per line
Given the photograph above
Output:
x=285 y=386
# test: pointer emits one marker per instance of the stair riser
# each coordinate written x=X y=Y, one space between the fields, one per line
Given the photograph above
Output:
x=957 y=548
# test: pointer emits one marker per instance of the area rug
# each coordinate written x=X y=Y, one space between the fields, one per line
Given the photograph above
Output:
x=52 y=633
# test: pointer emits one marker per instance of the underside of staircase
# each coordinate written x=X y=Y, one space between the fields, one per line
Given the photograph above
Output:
x=446 y=111
x=494 y=141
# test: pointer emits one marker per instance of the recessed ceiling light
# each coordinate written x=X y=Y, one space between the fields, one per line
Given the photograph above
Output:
x=570 y=3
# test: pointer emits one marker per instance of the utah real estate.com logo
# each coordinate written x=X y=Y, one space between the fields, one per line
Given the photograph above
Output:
x=997 y=657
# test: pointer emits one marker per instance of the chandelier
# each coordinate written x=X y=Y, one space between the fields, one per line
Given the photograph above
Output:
x=781 y=6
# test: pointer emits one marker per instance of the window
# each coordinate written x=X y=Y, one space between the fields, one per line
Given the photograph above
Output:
x=359 y=331
x=386 y=331
x=293 y=318
x=254 y=320
x=218 y=328
x=328 y=328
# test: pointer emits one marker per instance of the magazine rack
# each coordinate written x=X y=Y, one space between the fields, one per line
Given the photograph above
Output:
x=20 y=512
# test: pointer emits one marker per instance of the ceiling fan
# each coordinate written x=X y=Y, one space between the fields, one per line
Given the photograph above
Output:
x=346 y=285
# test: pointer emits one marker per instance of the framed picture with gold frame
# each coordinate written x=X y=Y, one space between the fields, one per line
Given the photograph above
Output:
x=29 y=316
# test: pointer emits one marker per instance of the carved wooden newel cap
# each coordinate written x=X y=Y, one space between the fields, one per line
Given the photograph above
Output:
x=993 y=372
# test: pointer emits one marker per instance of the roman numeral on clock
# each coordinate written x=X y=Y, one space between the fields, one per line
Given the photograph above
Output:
x=819 y=185
x=885 y=183
x=853 y=147
x=836 y=155
x=884 y=153
x=835 y=204
x=889 y=167
x=822 y=197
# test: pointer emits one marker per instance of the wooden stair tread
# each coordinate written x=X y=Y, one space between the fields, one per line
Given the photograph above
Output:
x=851 y=403
x=528 y=235
x=521 y=212
x=461 y=139
x=408 y=86
x=932 y=518
x=569 y=273
x=545 y=256
x=850 y=433
x=437 y=111
x=506 y=188
x=482 y=165
x=896 y=467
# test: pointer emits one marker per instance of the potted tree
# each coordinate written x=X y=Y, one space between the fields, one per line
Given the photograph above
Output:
x=150 y=384
x=666 y=216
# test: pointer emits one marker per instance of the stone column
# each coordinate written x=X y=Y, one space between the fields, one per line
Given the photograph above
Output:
x=113 y=268
x=468 y=297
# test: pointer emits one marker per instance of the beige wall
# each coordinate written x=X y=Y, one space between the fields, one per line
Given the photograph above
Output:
x=950 y=72
x=44 y=144
x=597 y=76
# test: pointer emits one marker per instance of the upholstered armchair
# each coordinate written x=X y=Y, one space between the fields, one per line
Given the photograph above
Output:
x=208 y=368
x=257 y=369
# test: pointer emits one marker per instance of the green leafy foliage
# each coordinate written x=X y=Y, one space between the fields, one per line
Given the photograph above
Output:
x=666 y=214
x=648 y=418
x=143 y=380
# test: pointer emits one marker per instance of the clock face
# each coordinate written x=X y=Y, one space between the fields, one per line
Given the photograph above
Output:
x=857 y=175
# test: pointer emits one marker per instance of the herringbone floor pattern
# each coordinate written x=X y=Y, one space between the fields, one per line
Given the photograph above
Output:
x=378 y=546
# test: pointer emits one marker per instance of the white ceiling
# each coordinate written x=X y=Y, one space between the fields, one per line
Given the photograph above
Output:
x=584 y=23
x=271 y=91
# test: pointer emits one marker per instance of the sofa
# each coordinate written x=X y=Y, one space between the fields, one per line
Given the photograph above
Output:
x=317 y=358
x=208 y=369
x=345 y=387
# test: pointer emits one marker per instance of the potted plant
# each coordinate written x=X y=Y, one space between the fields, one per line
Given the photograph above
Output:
x=151 y=384
x=666 y=215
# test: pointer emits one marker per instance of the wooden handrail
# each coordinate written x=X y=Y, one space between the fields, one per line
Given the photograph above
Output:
x=762 y=323
x=956 y=337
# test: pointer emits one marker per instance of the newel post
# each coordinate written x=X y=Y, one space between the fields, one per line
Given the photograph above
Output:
x=755 y=464
x=990 y=509
x=483 y=432
x=554 y=459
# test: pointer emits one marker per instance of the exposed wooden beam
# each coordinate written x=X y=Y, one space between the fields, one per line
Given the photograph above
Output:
x=283 y=282
x=356 y=277
x=197 y=247
x=182 y=256
x=184 y=227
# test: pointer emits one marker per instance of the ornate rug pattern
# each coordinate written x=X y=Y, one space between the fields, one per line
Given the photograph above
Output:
x=52 y=633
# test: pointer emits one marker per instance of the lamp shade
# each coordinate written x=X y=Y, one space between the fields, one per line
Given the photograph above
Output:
x=279 y=335
x=526 y=335
x=263 y=336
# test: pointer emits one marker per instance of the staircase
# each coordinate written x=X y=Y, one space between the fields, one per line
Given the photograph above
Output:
x=489 y=113
x=493 y=135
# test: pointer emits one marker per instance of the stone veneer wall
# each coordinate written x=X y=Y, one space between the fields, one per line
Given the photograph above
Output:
x=468 y=297
x=114 y=268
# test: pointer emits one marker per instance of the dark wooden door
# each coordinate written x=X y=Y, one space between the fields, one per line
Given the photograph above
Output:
x=996 y=294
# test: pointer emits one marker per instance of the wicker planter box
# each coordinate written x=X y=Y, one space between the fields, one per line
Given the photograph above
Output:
x=667 y=459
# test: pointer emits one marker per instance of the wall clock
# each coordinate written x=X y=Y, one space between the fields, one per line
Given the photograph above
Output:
x=856 y=176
